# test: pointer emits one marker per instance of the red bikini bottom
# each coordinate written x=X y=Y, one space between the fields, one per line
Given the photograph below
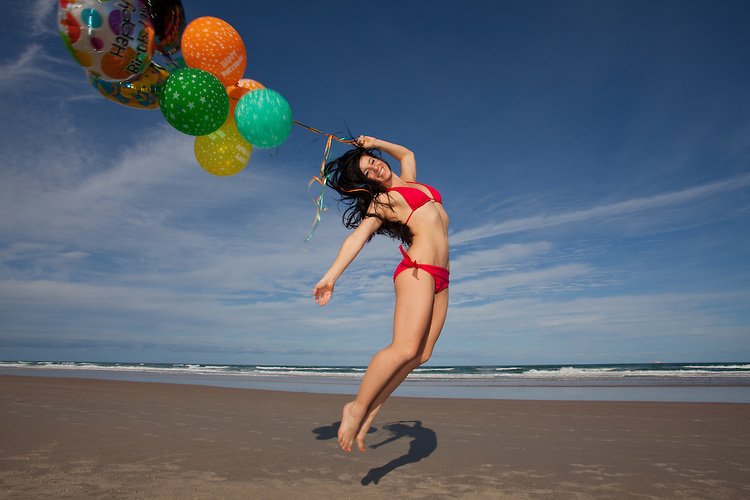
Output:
x=439 y=274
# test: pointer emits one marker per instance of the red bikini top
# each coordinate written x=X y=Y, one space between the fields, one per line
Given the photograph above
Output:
x=415 y=198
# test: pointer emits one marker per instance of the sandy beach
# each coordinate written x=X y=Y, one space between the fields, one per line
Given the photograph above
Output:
x=76 y=438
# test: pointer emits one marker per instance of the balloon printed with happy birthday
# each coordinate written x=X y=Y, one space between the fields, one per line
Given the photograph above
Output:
x=141 y=54
x=111 y=40
x=213 y=45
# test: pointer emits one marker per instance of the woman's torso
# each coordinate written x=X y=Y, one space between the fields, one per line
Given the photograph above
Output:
x=428 y=224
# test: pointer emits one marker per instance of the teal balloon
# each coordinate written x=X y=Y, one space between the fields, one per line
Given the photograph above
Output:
x=194 y=101
x=263 y=118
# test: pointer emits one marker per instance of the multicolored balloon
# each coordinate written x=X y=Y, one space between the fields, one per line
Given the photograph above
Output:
x=211 y=44
x=168 y=17
x=264 y=118
x=194 y=101
x=114 y=40
x=224 y=152
x=142 y=92
x=239 y=89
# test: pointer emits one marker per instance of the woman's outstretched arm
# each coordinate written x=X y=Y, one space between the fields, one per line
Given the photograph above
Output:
x=404 y=155
x=350 y=248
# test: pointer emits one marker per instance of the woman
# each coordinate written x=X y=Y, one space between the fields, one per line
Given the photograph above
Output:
x=379 y=201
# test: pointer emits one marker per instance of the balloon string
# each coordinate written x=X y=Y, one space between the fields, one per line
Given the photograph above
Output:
x=316 y=131
x=321 y=179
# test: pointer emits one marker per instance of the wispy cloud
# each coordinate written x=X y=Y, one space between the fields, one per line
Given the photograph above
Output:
x=42 y=17
x=565 y=277
x=496 y=259
x=636 y=205
x=659 y=316
x=31 y=66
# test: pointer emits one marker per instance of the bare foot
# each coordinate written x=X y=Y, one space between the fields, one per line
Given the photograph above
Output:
x=364 y=428
x=349 y=426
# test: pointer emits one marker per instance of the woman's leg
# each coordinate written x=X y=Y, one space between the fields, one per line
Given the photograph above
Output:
x=412 y=317
x=439 y=311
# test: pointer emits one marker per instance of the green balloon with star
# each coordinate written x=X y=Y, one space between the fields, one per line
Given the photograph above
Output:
x=194 y=102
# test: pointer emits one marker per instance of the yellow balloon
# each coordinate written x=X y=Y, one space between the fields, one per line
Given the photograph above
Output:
x=224 y=152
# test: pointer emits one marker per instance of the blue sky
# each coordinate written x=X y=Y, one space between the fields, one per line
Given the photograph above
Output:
x=594 y=157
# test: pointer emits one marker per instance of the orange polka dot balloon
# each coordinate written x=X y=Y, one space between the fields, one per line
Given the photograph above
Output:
x=212 y=45
x=238 y=90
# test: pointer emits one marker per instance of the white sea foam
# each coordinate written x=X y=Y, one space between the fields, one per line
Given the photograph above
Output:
x=482 y=373
x=453 y=376
x=566 y=372
x=303 y=373
x=570 y=372
x=720 y=367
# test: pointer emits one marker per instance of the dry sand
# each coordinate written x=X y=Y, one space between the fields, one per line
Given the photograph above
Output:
x=75 y=438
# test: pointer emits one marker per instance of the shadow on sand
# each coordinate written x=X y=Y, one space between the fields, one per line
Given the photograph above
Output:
x=423 y=443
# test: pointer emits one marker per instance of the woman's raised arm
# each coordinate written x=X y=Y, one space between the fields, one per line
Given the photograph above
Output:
x=404 y=155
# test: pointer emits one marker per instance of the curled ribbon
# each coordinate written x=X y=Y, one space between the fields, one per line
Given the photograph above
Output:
x=321 y=179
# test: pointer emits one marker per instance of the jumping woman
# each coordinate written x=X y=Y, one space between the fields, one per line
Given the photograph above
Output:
x=379 y=201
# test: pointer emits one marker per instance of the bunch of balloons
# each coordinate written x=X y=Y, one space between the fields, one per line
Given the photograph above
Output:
x=141 y=54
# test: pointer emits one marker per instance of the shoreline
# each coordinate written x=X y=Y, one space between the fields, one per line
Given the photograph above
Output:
x=655 y=389
x=74 y=438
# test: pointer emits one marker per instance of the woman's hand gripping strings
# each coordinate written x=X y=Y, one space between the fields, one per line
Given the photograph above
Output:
x=365 y=141
x=404 y=156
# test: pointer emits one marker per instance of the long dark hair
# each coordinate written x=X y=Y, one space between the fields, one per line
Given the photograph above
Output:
x=358 y=192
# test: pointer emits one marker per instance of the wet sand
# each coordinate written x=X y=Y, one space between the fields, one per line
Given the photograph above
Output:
x=80 y=438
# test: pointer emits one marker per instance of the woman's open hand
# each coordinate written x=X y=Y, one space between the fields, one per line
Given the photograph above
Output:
x=323 y=291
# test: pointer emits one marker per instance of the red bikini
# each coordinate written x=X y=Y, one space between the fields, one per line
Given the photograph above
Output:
x=415 y=198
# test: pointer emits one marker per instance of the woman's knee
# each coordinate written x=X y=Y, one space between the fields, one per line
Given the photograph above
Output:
x=413 y=354
x=406 y=353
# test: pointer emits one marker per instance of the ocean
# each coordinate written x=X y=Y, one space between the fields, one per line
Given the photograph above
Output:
x=689 y=382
